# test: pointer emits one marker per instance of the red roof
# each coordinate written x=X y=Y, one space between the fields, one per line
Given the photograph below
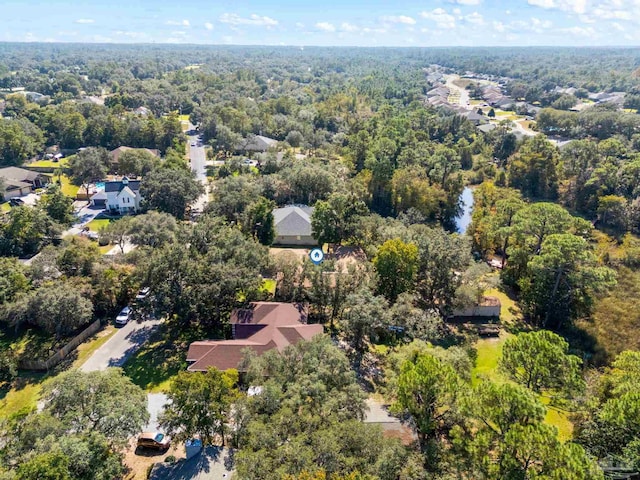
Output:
x=274 y=325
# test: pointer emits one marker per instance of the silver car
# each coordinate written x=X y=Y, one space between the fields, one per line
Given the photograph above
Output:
x=123 y=316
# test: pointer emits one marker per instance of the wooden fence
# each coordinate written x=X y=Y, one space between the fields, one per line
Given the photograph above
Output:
x=56 y=358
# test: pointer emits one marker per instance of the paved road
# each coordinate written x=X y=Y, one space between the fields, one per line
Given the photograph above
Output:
x=197 y=156
x=120 y=346
x=463 y=95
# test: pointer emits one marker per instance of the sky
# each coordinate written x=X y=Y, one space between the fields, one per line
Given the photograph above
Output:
x=325 y=22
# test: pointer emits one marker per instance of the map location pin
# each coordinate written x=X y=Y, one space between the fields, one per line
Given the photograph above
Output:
x=316 y=255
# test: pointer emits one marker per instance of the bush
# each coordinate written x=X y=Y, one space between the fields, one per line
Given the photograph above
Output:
x=170 y=459
x=8 y=366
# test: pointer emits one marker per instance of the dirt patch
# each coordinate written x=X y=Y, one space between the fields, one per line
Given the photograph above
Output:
x=139 y=461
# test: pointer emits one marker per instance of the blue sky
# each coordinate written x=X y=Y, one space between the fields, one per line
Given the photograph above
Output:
x=325 y=22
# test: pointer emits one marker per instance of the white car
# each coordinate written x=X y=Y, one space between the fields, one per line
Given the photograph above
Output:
x=142 y=294
x=123 y=316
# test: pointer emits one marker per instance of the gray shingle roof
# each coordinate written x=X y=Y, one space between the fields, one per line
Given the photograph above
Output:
x=293 y=221
x=134 y=185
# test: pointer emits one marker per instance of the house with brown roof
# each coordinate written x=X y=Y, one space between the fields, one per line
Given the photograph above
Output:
x=262 y=327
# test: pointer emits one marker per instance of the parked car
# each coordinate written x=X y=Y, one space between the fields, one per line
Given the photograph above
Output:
x=155 y=440
x=123 y=316
x=143 y=293
x=16 y=202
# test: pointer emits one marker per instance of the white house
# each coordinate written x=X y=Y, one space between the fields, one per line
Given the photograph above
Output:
x=122 y=196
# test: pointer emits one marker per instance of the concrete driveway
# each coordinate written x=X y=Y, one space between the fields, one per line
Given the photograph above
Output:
x=116 y=350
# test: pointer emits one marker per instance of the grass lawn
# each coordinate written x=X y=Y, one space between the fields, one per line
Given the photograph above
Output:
x=50 y=163
x=22 y=397
x=5 y=207
x=510 y=314
x=154 y=365
x=489 y=351
x=24 y=394
x=97 y=223
x=105 y=249
x=68 y=188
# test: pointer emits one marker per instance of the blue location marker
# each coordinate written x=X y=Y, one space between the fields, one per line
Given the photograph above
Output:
x=316 y=255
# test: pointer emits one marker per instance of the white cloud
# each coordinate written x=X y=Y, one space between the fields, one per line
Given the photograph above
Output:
x=253 y=19
x=499 y=26
x=572 y=6
x=580 y=31
x=466 y=2
x=299 y=25
x=618 y=27
x=456 y=11
x=178 y=23
x=227 y=39
x=399 y=19
x=374 y=30
x=326 y=27
x=475 y=18
x=85 y=20
x=208 y=25
x=179 y=33
x=442 y=19
x=348 y=27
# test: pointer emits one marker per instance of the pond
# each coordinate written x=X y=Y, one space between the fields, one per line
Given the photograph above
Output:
x=463 y=220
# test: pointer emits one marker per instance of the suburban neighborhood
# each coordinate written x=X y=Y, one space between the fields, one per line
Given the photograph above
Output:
x=319 y=263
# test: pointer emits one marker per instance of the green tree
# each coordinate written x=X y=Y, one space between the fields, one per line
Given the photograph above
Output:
x=199 y=405
x=106 y=402
x=47 y=466
x=117 y=232
x=612 y=212
x=540 y=361
x=365 y=314
x=427 y=391
x=152 y=229
x=13 y=280
x=492 y=113
x=138 y=162
x=170 y=191
x=533 y=170
x=58 y=206
x=440 y=257
x=259 y=221
x=335 y=219
x=89 y=166
x=396 y=264
x=562 y=280
x=20 y=140
x=78 y=256
x=25 y=230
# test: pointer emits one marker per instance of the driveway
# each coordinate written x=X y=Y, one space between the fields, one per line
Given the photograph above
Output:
x=116 y=351
x=155 y=406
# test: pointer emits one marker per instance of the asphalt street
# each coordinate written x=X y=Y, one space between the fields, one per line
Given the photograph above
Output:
x=116 y=350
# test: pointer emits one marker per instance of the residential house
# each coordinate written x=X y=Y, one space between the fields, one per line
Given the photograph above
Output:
x=262 y=327
x=474 y=117
x=19 y=181
x=293 y=225
x=122 y=196
x=256 y=143
x=115 y=154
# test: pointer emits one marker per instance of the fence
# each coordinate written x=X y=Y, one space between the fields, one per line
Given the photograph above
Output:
x=60 y=355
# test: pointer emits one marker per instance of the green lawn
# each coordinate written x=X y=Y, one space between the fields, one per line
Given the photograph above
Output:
x=22 y=397
x=68 y=188
x=5 y=207
x=157 y=362
x=97 y=223
x=24 y=394
x=50 y=163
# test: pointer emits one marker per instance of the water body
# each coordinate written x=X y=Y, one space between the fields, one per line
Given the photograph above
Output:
x=463 y=220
